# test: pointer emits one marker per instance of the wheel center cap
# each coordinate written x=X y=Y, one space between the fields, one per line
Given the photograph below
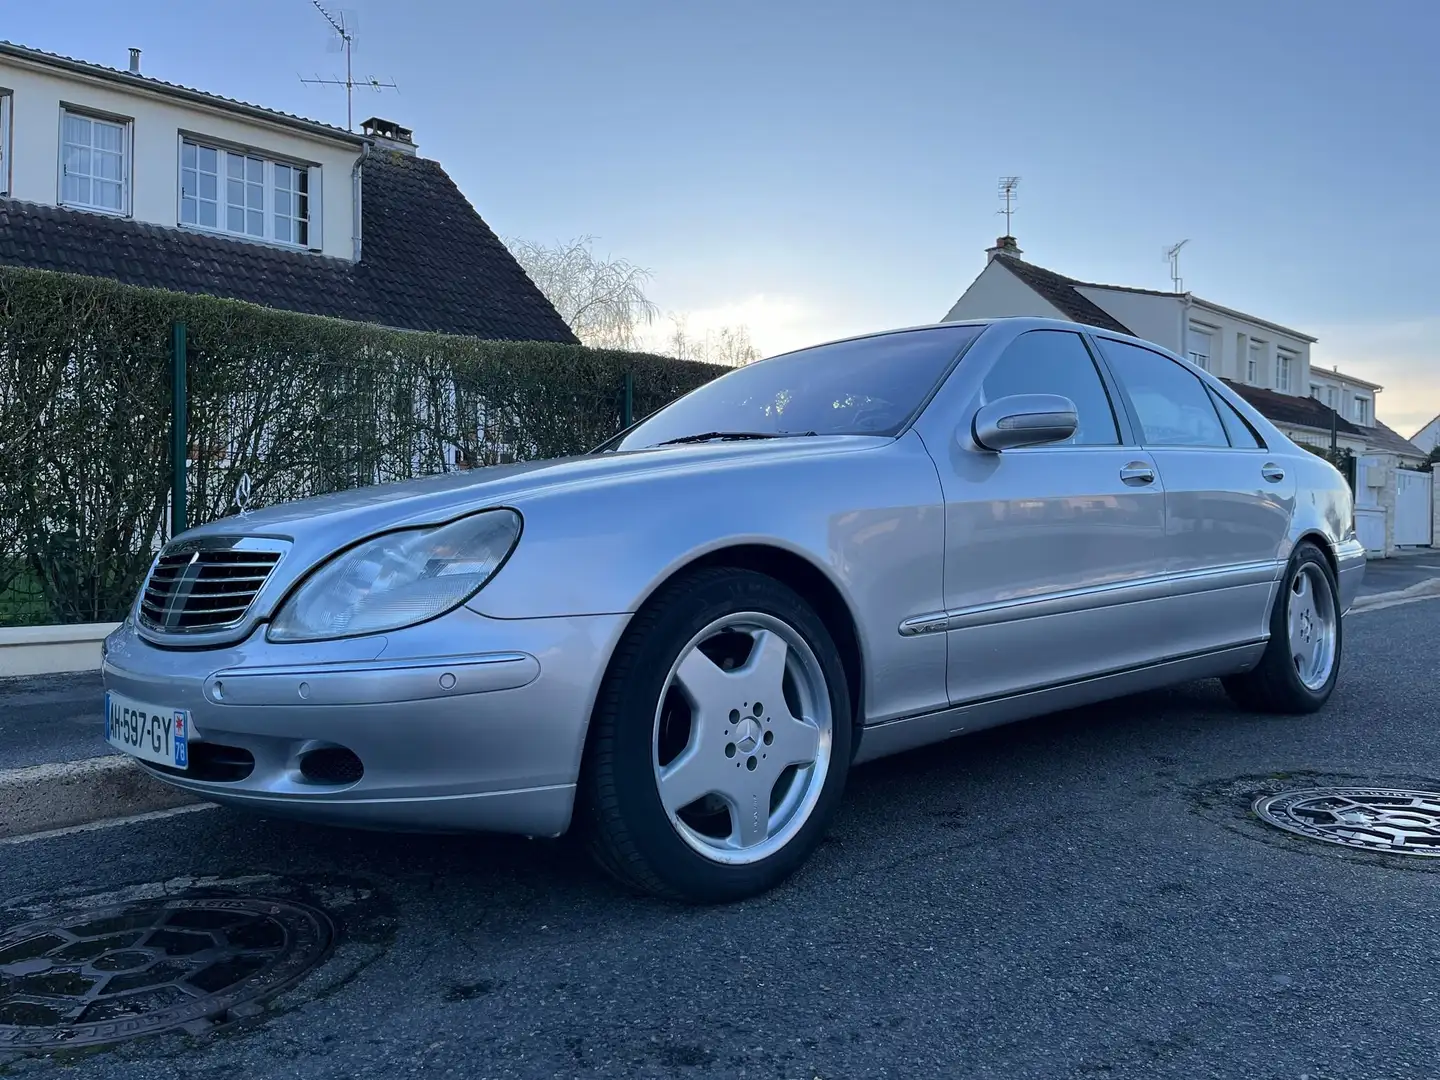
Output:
x=747 y=735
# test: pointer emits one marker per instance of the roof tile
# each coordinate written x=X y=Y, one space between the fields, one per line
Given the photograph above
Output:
x=429 y=261
x=1060 y=291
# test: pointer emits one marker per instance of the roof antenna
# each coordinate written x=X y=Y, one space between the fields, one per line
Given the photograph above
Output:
x=345 y=23
x=1172 y=255
x=1008 y=188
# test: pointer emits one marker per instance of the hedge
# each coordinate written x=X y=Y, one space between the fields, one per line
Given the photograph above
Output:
x=303 y=404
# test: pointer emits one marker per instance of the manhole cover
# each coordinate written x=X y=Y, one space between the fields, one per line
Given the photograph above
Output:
x=107 y=975
x=1374 y=819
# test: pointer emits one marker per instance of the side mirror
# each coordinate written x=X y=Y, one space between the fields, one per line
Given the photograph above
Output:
x=1025 y=420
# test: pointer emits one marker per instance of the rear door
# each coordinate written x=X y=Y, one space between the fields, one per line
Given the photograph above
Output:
x=1228 y=500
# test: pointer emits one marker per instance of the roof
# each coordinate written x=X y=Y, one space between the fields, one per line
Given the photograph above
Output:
x=1383 y=437
x=429 y=261
x=134 y=81
x=1064 y=293
x=1292 y=409
x=1340 y=376
x=1421 y=429
x=1061 y=291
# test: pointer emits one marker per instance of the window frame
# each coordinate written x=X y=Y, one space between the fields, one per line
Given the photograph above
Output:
x=1361 y=410
x=1254 y=360
x=7 y=112
x=1202 y=359
x=270 y=162
x=1210 y=392
x=1288 y=362
x=1127 y=434
x=126 y=124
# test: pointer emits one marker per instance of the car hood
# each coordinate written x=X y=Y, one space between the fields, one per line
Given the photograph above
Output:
x=348 y=515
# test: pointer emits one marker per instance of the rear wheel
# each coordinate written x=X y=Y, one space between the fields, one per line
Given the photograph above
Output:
x=720 y=741
x=1298 y=671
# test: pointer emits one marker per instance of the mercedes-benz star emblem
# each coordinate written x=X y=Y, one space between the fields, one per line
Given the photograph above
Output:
x=242 y=493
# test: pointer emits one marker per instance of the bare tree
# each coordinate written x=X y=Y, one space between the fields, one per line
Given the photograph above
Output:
x=729 y=345
x=602 y=300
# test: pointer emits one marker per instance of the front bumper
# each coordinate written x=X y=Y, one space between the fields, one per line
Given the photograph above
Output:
x=463 y=723
x=1350 y=563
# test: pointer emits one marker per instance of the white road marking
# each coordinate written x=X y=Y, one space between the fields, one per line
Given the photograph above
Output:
x=108 y=823
x=1399 y=601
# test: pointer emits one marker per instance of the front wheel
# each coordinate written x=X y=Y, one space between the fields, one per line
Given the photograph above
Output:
x=720 y=742
x=1297 y=673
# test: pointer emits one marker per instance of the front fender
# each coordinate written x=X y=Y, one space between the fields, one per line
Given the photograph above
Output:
x=870 y=519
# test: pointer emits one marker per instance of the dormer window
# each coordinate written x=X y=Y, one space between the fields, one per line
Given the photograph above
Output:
x=246 y=194
x=94 y=162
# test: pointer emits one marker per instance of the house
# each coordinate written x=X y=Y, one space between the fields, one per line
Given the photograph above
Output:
x=116 y=174
x=1428 y=437
x=1266 y=363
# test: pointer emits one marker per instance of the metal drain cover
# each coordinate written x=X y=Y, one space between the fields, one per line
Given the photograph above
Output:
x=118 y=973
x=1373 y=819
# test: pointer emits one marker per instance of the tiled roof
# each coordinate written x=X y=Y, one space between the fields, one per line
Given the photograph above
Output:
x=1292 y=409
x=188 y=93
x=1383 y=437
x=1061 y=291
x=429 y=262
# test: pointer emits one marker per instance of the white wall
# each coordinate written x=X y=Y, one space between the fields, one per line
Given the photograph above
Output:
x=1154 y=318
x=999 y=294
x=1428 y=437
x=1347 y=390
x=1160 y=319
x=36 y=97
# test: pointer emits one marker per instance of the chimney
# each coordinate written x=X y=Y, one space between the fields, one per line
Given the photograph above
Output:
x=134 y=61
x=389 y=135
x=1005 y=245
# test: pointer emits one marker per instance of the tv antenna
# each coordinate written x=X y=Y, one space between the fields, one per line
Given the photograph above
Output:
x=345 y=23
x=1008 y=187
x=1172 y=255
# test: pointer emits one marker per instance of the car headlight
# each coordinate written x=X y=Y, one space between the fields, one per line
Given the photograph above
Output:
x=398 y=579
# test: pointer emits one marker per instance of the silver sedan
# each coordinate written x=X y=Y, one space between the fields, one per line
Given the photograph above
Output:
x=677 y=645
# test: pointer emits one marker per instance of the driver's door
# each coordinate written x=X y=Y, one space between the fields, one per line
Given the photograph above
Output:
x=1050 y=549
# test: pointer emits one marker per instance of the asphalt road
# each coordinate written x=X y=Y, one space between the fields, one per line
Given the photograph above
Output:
x=1079 y=896
x=51 y=718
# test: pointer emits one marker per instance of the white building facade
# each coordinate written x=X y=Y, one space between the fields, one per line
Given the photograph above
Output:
x=104 y=141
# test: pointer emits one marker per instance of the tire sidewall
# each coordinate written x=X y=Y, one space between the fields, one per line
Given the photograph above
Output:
x=685 y=611
x=1307 y=553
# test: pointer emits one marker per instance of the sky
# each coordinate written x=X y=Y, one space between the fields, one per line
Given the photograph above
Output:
x=812 y=169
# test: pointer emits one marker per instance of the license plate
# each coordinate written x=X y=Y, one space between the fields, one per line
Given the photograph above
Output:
x=149 y=732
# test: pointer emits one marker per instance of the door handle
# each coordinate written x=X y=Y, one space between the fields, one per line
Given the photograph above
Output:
x=1272 y=472
x=1137 y=472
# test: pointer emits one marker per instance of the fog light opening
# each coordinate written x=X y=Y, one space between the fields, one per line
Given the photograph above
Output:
x=332 y=766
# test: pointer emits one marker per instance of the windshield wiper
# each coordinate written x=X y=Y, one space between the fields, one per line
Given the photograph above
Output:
x=708 y=436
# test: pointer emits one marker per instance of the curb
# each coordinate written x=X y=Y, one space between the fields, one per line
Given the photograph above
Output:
x=41 y=798
x=1398 y=596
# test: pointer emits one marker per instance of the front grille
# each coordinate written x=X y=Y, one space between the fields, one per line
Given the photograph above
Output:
x=196 y=587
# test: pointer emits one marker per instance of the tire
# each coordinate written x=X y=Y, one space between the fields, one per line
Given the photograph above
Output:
x=1276 y=684
x=648 y=734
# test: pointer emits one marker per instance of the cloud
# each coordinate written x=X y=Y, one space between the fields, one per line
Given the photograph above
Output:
x=1401 y=356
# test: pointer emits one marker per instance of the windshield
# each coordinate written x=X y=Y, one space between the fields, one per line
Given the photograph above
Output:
x=868 y=386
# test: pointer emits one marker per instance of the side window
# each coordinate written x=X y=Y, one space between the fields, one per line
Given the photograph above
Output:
x=1242 y=436
x=1056 y=362
x=1173 y=406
